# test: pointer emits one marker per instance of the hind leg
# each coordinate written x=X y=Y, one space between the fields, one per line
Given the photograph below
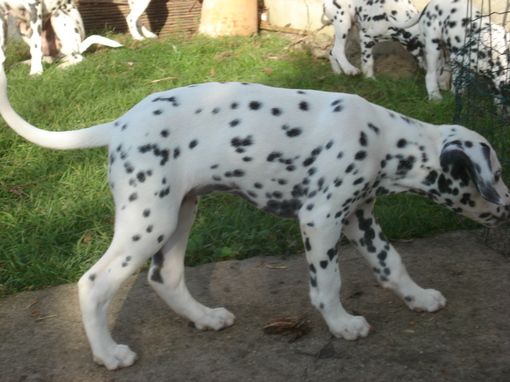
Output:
x=68 y=26
x=139 y=233
x=135 y=23
x=337 y=56
x=166 y=276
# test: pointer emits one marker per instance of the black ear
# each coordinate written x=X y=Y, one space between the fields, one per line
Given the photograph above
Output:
x=454 y=160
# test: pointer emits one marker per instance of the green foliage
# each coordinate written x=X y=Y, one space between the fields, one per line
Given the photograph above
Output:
x=57 y=214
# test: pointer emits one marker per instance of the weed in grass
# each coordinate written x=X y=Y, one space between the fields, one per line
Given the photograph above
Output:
x=56 y=215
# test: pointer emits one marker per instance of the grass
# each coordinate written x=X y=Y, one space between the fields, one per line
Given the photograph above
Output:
x=56 y=210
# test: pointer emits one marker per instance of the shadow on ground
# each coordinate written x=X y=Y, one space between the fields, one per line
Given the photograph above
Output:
x=42 y=339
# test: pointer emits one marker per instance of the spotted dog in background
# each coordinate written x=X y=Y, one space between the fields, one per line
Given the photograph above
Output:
x=134 y=22
x=471 y=39
x=62 y=36
x=318 y=156
x=374 y=26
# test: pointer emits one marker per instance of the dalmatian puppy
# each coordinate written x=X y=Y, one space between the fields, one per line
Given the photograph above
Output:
x=134 y=22
x=372 y=19
x=471 y=39
x=50 y=27
x=317 y=156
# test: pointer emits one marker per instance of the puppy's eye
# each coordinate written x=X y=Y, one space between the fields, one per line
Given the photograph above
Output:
x=497 y=176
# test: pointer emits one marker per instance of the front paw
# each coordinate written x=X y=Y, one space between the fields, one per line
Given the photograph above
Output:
x=427 y=300
x=215 y=319
x=350 y=328
x=121 y=356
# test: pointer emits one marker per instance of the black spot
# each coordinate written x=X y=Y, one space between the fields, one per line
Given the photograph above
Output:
x=374 y=128
x=401 y=143
x=360 y=155
x=133 y=197
x=294 y=132
x=234 y=122
x=157 y=264
x=332 y=252
x=136 y=237
x=273 y=156
x=283 y=208
x=337 y=105
x=405 y=165
x=164 y=192
x=172 y=100
x=363 y=139
x=235 y=173
x=303 y=105
x=165 y=133
x=193 y=144
x=241 y=142
x=276 y=111
x=129 y=168
x=141 y=176
x=157 y=151
x=255 y=105
x=146 y=213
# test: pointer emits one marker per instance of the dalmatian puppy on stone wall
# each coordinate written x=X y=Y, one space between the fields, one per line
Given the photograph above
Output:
x=321 y=157
x=374 y=26
x=471 y=39
x=50 y=27
x=134 y=22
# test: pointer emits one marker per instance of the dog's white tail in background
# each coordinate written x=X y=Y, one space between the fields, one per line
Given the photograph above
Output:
x=96 y=39
x=94 y=136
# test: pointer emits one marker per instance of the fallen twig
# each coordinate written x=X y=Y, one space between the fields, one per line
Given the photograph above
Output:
x=162 y=79
x=305 y=37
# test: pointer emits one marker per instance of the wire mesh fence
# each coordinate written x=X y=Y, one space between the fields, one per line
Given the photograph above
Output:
x=482 y=77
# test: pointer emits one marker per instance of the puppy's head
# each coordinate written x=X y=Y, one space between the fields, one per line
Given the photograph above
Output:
x=469 y=179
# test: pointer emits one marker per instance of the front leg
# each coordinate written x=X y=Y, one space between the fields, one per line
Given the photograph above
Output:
x=367 y=56
x=320 y=241
x=363 y=230
x=36 y=17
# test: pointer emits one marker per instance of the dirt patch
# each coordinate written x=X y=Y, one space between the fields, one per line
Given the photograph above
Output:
x=390 y=58
x=42 y=338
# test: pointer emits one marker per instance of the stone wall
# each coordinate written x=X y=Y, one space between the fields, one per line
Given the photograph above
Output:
x=307 y=14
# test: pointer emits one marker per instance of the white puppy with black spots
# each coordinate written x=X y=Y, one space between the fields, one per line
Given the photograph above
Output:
x=321 y=157
x=67 y=40
x=371 y=16
x=471 y=39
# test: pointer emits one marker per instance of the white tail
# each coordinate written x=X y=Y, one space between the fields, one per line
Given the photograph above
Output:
x=94 y=136
x=96 y=39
